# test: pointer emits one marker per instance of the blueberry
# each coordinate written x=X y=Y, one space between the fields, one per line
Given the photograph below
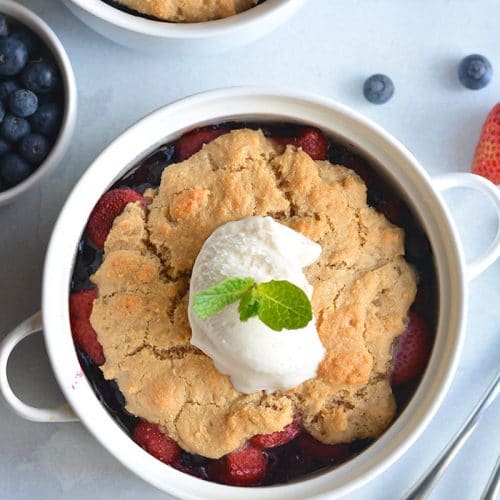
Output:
x=7 y=87
x=40 y=77
x=87 y=262
x=30 y=40
x=23 y=103
x=475 y=72
x=4 y=26
x=14 y=128
x=13 y=169
x=2 y=111
x=47 y=118
x=34 y=148
x=193 y=460
x=13 y=56
x=161 y=159
x=378 y=89
x=5 y=147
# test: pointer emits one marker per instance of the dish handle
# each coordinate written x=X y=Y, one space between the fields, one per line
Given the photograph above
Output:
x=63 y=413
x=464 y=179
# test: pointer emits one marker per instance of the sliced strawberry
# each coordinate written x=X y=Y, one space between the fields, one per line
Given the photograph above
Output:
x=486 y=160
x=192 y=142
x=278 y=438
x=412 y=352
x=245 y=467
x=328 y=452
x=155 y=442
x=80 y=309
x=109 y=206
x=311 y=140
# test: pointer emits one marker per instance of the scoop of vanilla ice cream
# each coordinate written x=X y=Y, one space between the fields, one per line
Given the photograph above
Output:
x=253 y=355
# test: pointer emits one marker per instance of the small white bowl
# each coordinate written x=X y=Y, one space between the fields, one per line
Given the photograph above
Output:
x=167 y=124
x=183 y=38
x=41 y=28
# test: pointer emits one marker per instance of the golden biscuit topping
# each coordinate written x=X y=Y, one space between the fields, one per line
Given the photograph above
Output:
x=363 y=288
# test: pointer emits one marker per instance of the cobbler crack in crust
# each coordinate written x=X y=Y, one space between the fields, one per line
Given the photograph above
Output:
x=189 y=11
x=363 y=288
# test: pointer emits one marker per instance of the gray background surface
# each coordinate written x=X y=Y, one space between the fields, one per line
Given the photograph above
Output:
x=328 y=48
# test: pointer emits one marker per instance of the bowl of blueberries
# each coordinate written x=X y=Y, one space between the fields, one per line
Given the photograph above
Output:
x=38 y=100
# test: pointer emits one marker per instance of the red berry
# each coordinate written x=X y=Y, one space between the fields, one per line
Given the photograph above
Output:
x=311 y=140
x=245 y=467
x=412 y=352
x=109 y=206
x=80 y=309
x=155 y=442
x=278 y=438
x=486 y=160
x=192 y=142
x=313 y=448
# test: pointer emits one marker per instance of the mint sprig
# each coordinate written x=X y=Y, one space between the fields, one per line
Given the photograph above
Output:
x=278 y=304
x=222 y=294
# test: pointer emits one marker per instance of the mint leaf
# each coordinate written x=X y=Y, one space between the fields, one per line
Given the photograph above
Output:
x=249 y=305
x=281 y=304
x=278 y=304
x=220 y=295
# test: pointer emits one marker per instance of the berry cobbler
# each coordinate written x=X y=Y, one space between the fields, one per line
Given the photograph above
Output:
x=238 y=402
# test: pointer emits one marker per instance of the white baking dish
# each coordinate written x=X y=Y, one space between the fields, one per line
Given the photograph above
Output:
x=421 y=192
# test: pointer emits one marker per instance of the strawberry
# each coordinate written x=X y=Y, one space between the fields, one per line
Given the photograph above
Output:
x=80 y=308
x=192 y=142
x=155 y=442
x=245 y=467
x=328 y=452
x=486 y=160
x=109 y=206
x=278 y=438
x=412 y=352
x=311 y=140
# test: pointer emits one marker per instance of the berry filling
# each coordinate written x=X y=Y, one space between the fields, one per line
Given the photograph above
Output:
x=285 y=455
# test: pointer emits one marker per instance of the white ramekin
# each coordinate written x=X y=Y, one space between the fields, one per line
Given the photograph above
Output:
x=420 y=191
x=25 y=16
x=183 y=38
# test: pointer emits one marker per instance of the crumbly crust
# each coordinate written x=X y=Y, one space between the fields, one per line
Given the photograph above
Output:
x=189 y=11
x=363 y=288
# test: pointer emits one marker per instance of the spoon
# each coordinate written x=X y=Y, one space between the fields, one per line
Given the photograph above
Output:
x=423 y=487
